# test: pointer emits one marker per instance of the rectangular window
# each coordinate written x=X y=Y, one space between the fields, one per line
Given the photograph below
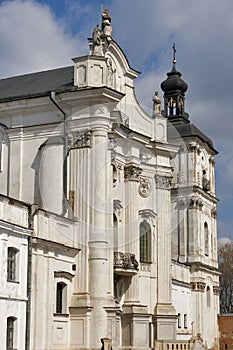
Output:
x=185 y=321
x=11 y=264
x=179 y=321
x=59 y=298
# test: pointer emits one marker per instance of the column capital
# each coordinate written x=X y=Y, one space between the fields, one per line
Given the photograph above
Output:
x=132 y=173
x=163 y=182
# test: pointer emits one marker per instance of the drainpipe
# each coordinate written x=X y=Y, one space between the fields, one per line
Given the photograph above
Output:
x=32 y=211
x=58 y=106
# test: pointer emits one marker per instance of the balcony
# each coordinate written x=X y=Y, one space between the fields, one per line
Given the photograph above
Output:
x=125 y=264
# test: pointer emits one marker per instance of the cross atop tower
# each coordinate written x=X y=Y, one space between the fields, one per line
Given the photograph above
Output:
x=174 y=53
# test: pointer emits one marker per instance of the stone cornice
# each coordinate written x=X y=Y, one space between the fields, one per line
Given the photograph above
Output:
x=54 y=246
x=181 y=283
x=65 y=274
x=189 y=190
x=14 y=229
x=197 y=266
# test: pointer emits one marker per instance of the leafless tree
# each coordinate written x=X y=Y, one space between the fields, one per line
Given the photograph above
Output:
x=225 y=260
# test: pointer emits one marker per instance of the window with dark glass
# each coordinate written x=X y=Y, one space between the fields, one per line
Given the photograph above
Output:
x=208 y=296
x=206 y=235
x=145 y=242
x=11 y=264
x=185 y=321
x=179 y=320
x=10 y=333
x=60 y=298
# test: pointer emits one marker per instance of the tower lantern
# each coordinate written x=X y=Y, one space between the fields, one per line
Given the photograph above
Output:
x=174 y=89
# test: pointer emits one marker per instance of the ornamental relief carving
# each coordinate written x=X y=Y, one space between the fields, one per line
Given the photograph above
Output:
x=79 y=139
x=180 y=177
x=144 y=188
x=145 y=157
x=163 y=182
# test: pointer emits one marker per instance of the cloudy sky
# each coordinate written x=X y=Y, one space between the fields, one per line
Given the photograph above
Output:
x=43 y=34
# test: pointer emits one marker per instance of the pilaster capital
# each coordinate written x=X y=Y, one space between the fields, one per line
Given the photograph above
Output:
x=132 y=173
x=163 y=182
x=198 y=286
x=194 y=147
x=195 y=203
x=216 y=290
x=79 y=139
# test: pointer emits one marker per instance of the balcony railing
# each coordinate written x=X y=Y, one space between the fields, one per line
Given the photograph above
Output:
x=172 y=345
x=125 y=263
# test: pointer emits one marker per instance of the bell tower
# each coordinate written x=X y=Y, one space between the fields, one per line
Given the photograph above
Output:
x=193 y=203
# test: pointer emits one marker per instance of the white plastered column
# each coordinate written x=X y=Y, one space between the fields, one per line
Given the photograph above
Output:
x=165 y=314
x=100 y=254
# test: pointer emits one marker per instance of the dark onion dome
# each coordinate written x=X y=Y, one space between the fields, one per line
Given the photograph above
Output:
x=174 y=81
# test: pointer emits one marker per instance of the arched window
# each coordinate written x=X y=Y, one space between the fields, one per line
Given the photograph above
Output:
x=206 y=237
x=208 y=296
x=61 y=298
x=10 y=333
x=145 y=242
x=11 y=263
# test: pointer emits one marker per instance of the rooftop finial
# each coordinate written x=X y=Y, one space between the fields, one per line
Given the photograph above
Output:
x=174 y=53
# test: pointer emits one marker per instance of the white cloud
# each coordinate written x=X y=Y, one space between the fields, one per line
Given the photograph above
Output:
x=31 y=38
x=224 y=240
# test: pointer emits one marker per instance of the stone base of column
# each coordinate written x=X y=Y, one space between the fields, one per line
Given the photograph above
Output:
x=164 y=321
x=80 y=318
x=135 y=327
x=114 y=325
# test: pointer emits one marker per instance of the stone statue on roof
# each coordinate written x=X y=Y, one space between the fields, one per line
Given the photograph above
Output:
x=97 y=44
x=106 y=26
x=156 y=104
x=102 y=38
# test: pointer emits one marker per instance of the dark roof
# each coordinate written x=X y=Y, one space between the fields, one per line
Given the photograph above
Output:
x=187 y=130
x=174 y=82
x=37 y=84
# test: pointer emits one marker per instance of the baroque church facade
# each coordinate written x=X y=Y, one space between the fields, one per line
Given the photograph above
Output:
x=107 y=214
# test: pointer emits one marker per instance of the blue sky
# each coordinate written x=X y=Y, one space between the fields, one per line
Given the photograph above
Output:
x=37 y=35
